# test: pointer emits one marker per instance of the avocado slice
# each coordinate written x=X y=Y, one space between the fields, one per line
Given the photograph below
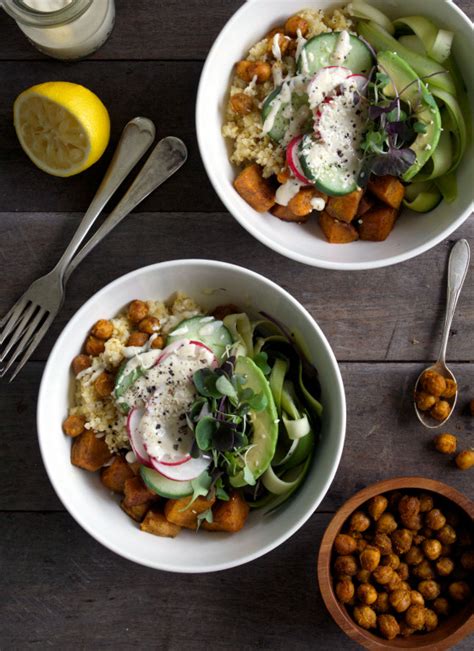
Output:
x=413 y=91
x=265 y=422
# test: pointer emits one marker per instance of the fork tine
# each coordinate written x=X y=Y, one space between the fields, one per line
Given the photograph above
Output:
x=19 y=329
x=24 y=341
x=31 y=348
x=11 y=318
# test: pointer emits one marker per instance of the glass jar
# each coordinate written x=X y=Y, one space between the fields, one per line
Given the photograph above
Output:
x=64 y=29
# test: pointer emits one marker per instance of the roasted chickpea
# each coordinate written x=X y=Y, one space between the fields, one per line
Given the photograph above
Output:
x=74 y=425
x=383 y=542
x=388 y=626
x=431 y=620
x=370 y=558
x=247 y=70
x=441 y=606
x=400 y=600
x=418 y=539
x=433 y=383
x=446 y=535
x=365 y=616
x=158 y=342
x=415 y=617
x=391 y=560
x=467 y=560
x=451 y=388
x=403 y=571
x=429 y=589
x=413 y=523
x=241 y=103
x=137 y=311
x=408 y=505
x=359 y=521
x=459 y=591
x=425 y=401
x=445 y=443
x=344 y=544
x=149 y=325
x=441 y=410
x=346 y=565
x=137 y=339
x=377 y=506
x=416 y=598
x=80 y=363
x=363 y=576
x=276 y=30
x=386 y=523
x=432 y=549
x=426 y=502
x=361 y=545
x=103 y=329
x=94 y=346
x=465 y=459
x=383 y=574
x=435 y=520
x=402 y=540
x=404 y=585
x=345 y=591
x=366 y=594
x=282 y=41
x=444 y=566
x=394 y=583
x=295 y=23
x=414 y=556
x=424 y=571
x=405 y=630
x=382 y=604
x=104 y=385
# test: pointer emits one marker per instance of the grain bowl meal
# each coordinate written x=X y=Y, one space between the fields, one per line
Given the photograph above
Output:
x=350 y=115
x=193 y=418
x=404 y=562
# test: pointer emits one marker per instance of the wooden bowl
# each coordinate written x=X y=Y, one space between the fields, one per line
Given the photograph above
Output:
x=450 y=631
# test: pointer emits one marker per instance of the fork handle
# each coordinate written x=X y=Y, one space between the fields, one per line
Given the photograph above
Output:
x=165 y=159
x=136 y=138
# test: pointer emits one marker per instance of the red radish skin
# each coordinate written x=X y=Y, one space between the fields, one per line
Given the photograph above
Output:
x=185 y=471
x=361 y=82
x=173 y=463
x=291 y=160
x=138 y=447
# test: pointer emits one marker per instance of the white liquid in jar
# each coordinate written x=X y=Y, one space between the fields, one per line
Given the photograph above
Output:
x=77 y=38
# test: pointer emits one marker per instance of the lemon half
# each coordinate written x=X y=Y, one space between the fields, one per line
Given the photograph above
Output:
x=63 y=127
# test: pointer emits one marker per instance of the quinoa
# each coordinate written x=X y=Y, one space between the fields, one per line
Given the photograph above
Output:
x=101 y=415
x=248 y=143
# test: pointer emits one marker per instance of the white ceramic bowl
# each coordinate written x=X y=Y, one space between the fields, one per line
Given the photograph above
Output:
x=413 y=233
x=210 y=283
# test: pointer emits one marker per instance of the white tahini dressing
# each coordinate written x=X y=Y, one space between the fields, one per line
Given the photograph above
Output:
x=283 y=97
x=287 y=191
x=250 y=88
x=300 y=43
x=318 y=203
x=324 y=83
x=341 y=49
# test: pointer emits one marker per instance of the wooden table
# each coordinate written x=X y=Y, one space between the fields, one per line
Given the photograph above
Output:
x=60 y=588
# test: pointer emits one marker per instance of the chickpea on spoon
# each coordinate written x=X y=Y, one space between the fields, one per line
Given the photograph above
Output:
x=436 y=389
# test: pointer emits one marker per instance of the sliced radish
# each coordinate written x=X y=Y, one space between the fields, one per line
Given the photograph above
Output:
x=293 y=162
x=357 y=82
x=325 y=82
x=183 y=472
x=170 y=462
x=176 y=345
x=133 y=428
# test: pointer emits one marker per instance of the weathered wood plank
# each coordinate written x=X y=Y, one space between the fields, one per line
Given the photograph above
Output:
x=385 y=314
x=164 y=92
x=53 y=572
x=159 y=30
x=383 y=440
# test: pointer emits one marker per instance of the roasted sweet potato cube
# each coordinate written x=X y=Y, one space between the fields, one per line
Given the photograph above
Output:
x=155 y=522
x=256 y=190
x=377 y=223
x=114 y=476
x=344 y=208
x=337 y=232
x=301 y=203
x=137 y=512
x=89 y=452
x=366 y=203
x=388 y=189
x=177 y=513
x=286 y=215
x=137 y=493
x=228 y=516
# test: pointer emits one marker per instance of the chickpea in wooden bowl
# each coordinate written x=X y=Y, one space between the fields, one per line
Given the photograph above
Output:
x=396 y=565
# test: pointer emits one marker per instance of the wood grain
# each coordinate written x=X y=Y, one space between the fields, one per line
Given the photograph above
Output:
x=384 y=438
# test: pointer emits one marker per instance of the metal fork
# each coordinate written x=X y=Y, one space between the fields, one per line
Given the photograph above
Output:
x=23 y=327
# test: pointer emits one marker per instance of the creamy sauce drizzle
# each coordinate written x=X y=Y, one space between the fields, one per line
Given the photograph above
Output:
x=342 y=48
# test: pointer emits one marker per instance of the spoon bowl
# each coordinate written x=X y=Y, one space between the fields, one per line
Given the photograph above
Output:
x=457 y=270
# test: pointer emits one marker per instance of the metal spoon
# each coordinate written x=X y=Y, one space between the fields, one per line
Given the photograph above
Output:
x=457 y=271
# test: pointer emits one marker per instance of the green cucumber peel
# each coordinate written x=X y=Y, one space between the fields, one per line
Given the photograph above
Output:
x=422 y=197
x=241 y=330
x=457 y=125
x=448 y=186
x=442 y=159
